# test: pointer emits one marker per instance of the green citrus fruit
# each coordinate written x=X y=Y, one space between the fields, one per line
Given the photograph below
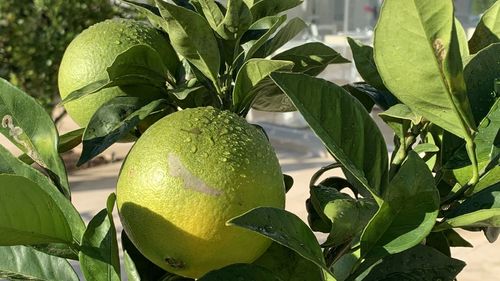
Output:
x=92 y=51
x=186 y=176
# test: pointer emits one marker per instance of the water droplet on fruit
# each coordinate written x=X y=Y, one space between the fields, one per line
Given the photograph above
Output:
x=243 y=175
x=224 y=159
x=117 y=42
x=194 y=149
x=188 y=139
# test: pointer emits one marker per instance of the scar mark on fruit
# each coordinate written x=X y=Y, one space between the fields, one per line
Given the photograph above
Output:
x=7 y=122
x=195 y=131
x=439 y=50
x=175 y=263
x=177 y=169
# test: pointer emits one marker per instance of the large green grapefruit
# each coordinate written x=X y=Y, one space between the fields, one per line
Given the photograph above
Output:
x=186 y=176
x=92 y=51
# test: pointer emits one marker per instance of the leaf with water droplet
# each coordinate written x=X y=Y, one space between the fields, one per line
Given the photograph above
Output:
x=284 y=228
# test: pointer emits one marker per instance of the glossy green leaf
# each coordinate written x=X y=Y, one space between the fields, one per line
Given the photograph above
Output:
x=212 y=12
x=150 y=12
x=487 y=31
x=363 y=59
x=311 y=58
x=418 y=263
x=360 y=90
x=462 y=40
x=488 y=198
x=37 y=137
x=114 y=121
x=237 y=20
x=436 y=89
x=409 y=211
x=486 y=145
x=455 y=240
x=67 y=142
x=29 y=215
x=138 y=65
x=99 y=257
x=25 y=263
x=58 y=250
x=192 y=38
x=264 y=8
x=269 y=97
x=13 y=166
x=284 y=228
x=288 y=265
x=347 y=216
x=344 y=126
x=268 y=26
x=291 y=29
x=130 y=269
x=250 y=74
x=401 y=111
x=240 y=272
x=138 y=265
x=481 y=218
x=480 y=74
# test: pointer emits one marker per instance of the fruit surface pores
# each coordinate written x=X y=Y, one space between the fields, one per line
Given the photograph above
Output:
x=185 y=178
x=94 y=50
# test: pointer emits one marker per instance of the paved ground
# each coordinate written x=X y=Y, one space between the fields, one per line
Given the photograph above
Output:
x=300 y=160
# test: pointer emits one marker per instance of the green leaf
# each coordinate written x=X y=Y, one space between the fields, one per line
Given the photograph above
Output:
x=363 y=59
x=401 y=111
x=311 y=58
x=436 y=89
x=240 y=272
x=29 y=215
x=284 y=228
x=237 y=20
x=138 y=265
x=268 y=25
x=291 y=29
x=250 y=74
x=192 y=38
x=130 y=268
x=455 y=240
x=400 y=117
x=383 y=99
x=409 y=211
x=481 y=218
x=288 y=265
x=67 y=142
x=462 y=40
x=347 y=216
x=58 y=250
x=418 y=263
x=25 y=263
x=480 y=74
x=212 y=13
x=269 y=97
x=482 y=209
x=486 y=145
x=344 y=126
x=37 y=137
x=487 y=31
x=138 y=65
x=150 y=12
x=99 y=258
x=113 y=121
x=13 y=166
x=264 y=8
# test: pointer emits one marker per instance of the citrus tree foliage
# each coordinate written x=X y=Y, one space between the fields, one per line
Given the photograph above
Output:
x=34 y=35
x=439 y=93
